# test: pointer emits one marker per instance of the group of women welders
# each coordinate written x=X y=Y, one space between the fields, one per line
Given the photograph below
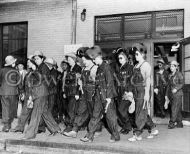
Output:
x=91 y=95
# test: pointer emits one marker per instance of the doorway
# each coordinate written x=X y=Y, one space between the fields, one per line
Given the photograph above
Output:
x=162 y=51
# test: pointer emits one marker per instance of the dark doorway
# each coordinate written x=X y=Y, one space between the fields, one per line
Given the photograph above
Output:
x=162 y=51
x=13 y=41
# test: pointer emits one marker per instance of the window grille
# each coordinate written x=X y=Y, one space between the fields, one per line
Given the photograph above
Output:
x=149 y=25
x=169 y=24
x=14 y=41
x=108 y=29
x=137 y=26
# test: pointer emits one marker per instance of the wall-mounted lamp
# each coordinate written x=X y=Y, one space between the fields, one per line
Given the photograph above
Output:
x=83 y=15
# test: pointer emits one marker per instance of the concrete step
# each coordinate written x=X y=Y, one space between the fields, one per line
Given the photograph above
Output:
x=38 y=147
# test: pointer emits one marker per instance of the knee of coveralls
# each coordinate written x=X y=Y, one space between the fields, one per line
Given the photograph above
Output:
x=176 y=107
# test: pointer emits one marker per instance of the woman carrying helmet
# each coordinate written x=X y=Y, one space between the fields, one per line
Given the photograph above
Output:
x=141 y=81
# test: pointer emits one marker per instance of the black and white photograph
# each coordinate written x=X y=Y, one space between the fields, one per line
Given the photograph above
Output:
x=94 y=76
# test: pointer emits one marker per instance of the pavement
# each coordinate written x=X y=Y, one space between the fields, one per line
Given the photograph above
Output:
x=175 y=141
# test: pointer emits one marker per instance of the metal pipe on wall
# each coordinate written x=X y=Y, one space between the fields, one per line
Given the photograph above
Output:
x=74 y=22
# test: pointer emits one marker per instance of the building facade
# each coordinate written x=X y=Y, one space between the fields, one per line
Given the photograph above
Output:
x=48 y=25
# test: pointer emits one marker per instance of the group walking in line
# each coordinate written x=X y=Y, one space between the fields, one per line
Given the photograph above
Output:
x=89 y=95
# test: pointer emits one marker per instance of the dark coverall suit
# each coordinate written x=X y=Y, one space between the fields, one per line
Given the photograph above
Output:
x=39 y=93
x=60 y=107
x=104 y=89
x=175 y=81
x=124 y=85
x=86 y=105
x=160 y=83
x=52 y=90
x=71 y=89
x=45 y=71
x=142 y=119
x=9 y=84
x=26 y=112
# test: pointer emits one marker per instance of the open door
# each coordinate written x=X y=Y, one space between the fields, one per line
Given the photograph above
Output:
x=185 y=48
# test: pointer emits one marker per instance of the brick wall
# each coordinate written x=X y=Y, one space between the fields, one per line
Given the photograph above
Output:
x=49 y=24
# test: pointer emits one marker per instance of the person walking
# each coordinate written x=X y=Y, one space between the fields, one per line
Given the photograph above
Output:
x=87 y=88
x=62 y=102
x=124 y=86
x=71 y=90
x=52 y=84
x=26 y=92
x=104 y=98
x=141 y=81
x=39 y=99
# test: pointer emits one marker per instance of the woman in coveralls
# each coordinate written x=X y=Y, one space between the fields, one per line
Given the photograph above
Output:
x=25 y=90
x=174 y=94
x=124 y=77
x=87 y=88
x=141 y=82
x=71 y=91
x=104 y=105
x=39 y=99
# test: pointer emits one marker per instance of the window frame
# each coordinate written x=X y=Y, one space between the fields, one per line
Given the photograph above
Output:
x=153 y=24
x=1 y=38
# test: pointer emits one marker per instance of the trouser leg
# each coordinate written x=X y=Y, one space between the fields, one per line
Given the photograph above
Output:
x=123 y=115
x=82 y=115
x=176 y=107
x=159 y=103
x=96 y=117
x=140 y=116
x=9 y=107
x=51 y=101
x=72 y=111
x=36 y=115
x=111 y=119
x=5 y=111
x=149 y=125
x=24 y=117
x=142 y=119
x=52 y=126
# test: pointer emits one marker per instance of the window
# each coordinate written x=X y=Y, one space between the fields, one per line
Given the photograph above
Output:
x=146 y=25
x=187 y=64
x=137 y=27
x=169 y=24
x=14 y=41
x=108 y=29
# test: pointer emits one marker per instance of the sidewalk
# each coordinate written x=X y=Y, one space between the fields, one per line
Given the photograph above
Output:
x=176 y=141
